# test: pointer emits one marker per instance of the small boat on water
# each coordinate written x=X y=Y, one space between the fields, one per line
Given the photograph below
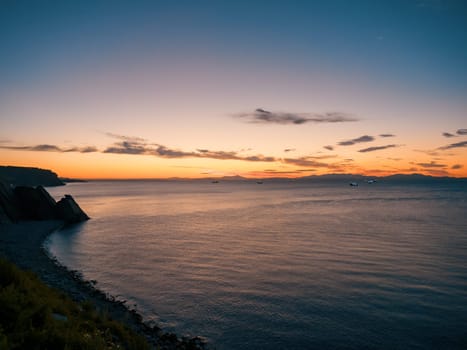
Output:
x=259 y=182
x=371 y=181
x=353 y=184
x=215 y=182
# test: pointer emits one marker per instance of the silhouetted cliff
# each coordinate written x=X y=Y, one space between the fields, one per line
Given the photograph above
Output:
x=24 y=176
x=35 y=203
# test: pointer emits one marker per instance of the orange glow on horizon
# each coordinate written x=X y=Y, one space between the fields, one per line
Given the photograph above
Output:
x=113 y=166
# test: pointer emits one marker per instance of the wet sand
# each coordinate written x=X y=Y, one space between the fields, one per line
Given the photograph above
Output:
x=22 y=244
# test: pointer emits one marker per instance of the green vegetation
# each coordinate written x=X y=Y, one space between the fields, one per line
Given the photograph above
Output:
x=35 y=316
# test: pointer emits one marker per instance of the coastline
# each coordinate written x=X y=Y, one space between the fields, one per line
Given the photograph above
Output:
x=23 y=244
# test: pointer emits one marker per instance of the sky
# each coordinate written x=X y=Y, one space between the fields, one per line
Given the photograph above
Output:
x=157 y=89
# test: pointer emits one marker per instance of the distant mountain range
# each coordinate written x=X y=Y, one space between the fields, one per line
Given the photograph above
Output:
x=339 y=178
x=25 y=176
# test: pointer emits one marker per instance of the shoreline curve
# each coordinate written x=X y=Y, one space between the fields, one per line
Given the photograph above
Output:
x=23 y=244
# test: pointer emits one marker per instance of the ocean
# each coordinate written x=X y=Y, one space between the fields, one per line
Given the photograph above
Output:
x=279 y=265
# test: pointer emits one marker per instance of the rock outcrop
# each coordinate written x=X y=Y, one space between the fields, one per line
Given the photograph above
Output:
x=69 y=211
x=35 y=203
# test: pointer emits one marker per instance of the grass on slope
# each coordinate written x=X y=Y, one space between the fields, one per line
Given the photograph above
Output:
x=34 y=316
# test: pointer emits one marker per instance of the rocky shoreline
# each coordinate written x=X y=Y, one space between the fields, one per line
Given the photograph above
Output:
x=23 y=244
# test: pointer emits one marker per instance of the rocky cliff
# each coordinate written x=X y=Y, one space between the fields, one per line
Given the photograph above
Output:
x=35 y=203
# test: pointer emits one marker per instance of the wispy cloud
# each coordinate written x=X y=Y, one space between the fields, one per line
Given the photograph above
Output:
x=289 y=150
x=432 y=164
x=377 y=148
x=262 y=116
x=161 y=151
x=86 y=149
x=387 y=135
x=329 y=148
x=46 y=148
x=454 y=145
x=311 y=162
x=286 y=172
x=459 y=132
x=127 y=147
x=457 y=166
x=125 y=137
x=432 y=153
x=437 y=172
x=364 y=138
x=138 y=146
x=50 y=148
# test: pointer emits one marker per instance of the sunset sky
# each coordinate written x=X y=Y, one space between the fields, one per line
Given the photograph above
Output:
x=154 y=89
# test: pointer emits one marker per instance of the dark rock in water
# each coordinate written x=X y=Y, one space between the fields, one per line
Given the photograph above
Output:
x=9 y=205
x=69 y=211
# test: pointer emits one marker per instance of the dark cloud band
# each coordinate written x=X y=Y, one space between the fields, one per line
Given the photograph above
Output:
x=454 y=145
x=364 y=138
x=262 y=116
x=51 y=148
x=377 y=148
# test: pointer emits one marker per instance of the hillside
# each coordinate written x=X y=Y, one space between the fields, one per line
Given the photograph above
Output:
x=24 y=176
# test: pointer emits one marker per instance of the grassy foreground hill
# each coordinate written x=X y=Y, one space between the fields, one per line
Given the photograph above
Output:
x=35 y=316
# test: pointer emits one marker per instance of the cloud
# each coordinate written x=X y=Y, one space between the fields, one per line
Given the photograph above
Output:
x=262 y=116
x=324 y=156
x=387 y=135
x=46 y=148
x=286 y=172
x=166 y=152
x=437 y=172
x=289 y=150
x=330 y=148
x=454 y=145
x=457 y=166
x=428 y=152
x=139 y=146
x=364 y=138
x=458 y=132
x=124 y=137
x=259 y=158
x=432 y=164
x=51 y=148
x=127 y=147
x=143 y=148
x=87 y=149
x=377 y=148
x=305 y=162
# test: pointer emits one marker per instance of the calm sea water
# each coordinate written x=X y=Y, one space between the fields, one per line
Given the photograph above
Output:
x=280 y=266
